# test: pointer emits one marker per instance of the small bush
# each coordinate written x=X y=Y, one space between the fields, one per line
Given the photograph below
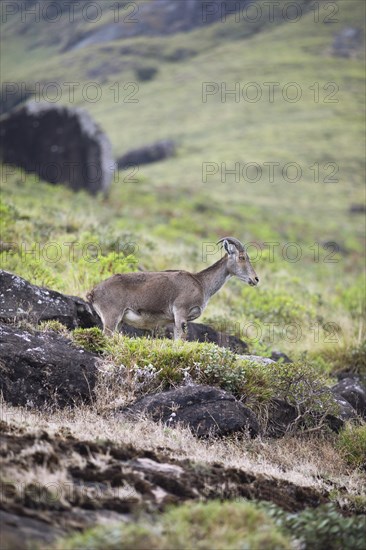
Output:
x=352 y=444
x=322 y=527
x=351 y=358
x=54 y=326
x=353 y=297
x=91 y=339
x=160 y=364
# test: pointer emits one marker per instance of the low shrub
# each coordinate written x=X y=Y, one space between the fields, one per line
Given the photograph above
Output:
x=322 y=527
x=91 y=339
x=54 y=326
x=350 y=358
x=352 y=444
x=155 y=364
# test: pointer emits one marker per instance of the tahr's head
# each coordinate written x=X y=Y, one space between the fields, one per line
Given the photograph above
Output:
x=238 y=263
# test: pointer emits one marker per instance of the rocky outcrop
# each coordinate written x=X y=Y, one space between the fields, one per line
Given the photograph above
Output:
x=105 y=482
x=208 y=411
x=60 y=144
x=157 y=17
x=38 y=369
x=20 y=300
x=155 y=152
x=279 y=356
x=348 y=42
x=353 y=391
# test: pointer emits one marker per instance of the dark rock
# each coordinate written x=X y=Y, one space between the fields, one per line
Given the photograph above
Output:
x=346 y=412
x=358 y=208
x=181 y=54
x=149 y=153
x=44 y=368
x=279 y=356
x=16 y=530
x=20 y=300
x=281 y=416
x=354 y=392
x=13 y=94
x=208 y=411
x=285 y=418
x=144 y=74
x=60 y=144
x=347 y=42
x=133 y=332
x=332 y=248
x=198 y=332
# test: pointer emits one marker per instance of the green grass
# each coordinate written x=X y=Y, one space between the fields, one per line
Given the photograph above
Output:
x=352 y=444
x=149 y=365
x=214 y=525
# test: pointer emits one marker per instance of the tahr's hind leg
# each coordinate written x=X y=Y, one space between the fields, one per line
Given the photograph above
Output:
x=180 y=325
x=111 y=320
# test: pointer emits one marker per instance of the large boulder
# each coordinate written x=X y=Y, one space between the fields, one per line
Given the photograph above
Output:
x=147 y=154
x=44 y=368
x=60 y=144
x=283 y=417
x=208 y=411
x=20 y=300
x=354 y=392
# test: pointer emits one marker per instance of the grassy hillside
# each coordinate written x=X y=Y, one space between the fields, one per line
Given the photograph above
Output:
x=306 y=245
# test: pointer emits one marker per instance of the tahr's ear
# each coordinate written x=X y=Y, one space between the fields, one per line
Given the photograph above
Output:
x=230 y=248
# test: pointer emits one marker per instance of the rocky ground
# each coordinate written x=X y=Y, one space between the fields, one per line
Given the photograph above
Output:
x=66 y=467
x=86 y=482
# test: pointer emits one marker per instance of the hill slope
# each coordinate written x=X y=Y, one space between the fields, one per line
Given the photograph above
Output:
x=278 y=162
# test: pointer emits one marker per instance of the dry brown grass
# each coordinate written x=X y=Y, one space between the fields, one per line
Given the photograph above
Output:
x=311 y=461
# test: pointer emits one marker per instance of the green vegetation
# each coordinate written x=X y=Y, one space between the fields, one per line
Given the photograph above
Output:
x=322 y=527
x=91 y=339
x=352 y=443
x=54 y=326
x=214 y=525
x=229 y=525
x=151 y=365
